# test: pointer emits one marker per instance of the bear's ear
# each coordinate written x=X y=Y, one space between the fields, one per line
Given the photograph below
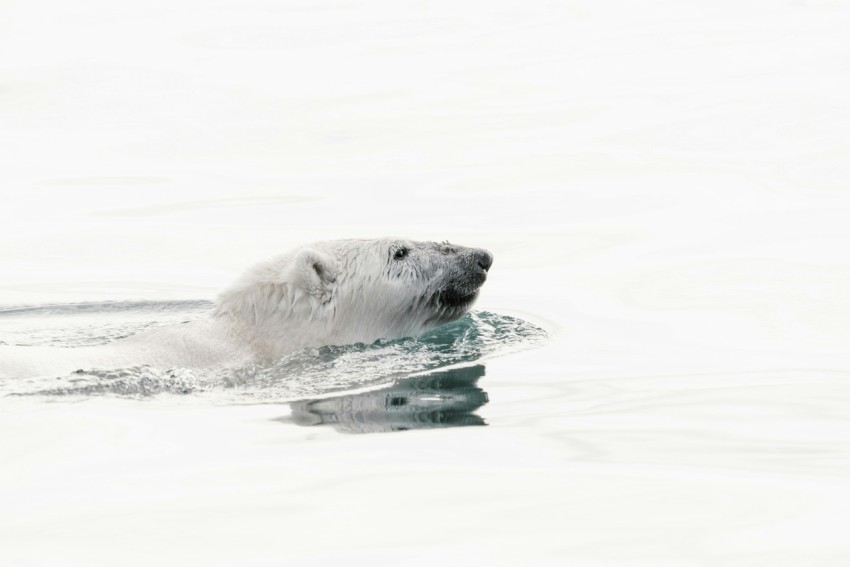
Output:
x=315 y=272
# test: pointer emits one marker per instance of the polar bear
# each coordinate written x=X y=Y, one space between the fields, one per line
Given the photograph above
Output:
x=327 y=293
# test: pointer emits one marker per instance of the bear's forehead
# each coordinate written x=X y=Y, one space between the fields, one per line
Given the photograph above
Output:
x=380 y=251
x=388 y=243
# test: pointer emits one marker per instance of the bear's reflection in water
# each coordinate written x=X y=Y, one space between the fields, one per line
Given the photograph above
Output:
x=438 y=399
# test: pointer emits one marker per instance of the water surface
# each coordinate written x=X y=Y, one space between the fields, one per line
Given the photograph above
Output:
x=403 y=371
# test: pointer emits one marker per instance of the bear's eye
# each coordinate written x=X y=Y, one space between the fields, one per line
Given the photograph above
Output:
x=400 y=254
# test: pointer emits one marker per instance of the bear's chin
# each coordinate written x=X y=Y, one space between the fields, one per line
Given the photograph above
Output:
x=451 y=304
x=454 y=298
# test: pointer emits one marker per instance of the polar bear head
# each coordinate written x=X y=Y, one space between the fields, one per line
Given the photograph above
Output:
x=348 y=291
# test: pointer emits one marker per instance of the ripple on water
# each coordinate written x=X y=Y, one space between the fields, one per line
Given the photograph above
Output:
x=304 y=375
x=71 y=325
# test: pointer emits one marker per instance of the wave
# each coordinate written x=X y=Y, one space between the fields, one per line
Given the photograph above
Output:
x=307 y=375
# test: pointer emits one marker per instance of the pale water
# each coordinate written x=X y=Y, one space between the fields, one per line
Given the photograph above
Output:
x=657 y=372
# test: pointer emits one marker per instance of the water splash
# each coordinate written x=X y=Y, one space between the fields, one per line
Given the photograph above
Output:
x=321 y=371
x=310 y=373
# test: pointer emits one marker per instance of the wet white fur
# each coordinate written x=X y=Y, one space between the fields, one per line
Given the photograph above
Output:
x=336 y=292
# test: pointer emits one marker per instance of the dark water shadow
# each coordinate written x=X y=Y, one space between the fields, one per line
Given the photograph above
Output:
x=446 y=398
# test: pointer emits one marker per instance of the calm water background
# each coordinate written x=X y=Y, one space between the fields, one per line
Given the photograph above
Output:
x=664 y=187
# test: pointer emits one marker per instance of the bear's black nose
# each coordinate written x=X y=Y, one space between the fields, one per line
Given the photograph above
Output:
x=484 y=259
